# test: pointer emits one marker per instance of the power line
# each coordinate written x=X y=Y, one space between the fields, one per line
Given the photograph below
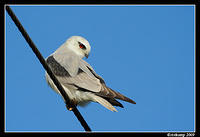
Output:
x=46 y=67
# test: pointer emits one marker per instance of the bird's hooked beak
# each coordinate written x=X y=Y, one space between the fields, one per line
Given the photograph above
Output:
x=86 y=55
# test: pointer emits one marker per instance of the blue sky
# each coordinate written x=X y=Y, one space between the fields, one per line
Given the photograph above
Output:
x=143 y=52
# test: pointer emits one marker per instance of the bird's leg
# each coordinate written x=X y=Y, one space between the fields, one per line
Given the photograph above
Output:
x=69 y=107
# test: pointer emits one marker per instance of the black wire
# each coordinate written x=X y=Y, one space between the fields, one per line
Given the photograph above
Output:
x=48 y=70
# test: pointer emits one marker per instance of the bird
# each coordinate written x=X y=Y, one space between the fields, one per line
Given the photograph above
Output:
x=79 y=80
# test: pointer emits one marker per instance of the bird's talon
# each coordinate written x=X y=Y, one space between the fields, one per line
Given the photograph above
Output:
x=70 y=109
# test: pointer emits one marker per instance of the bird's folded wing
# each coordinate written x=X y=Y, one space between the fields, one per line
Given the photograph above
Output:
x=69 y=61
x=84 y=79
x=68 y=76
x=92 y=71
x=81 y=81
x=106 y=91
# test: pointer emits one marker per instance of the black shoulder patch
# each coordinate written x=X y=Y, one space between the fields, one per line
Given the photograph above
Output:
x=56 y=67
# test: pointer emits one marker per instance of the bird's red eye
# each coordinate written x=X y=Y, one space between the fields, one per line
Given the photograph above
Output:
x=81 y=45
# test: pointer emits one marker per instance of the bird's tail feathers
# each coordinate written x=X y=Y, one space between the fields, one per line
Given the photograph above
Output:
x=122 y=97
x=104 y=103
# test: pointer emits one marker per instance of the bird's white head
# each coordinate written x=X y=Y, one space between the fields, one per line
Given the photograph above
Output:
x=79 y=45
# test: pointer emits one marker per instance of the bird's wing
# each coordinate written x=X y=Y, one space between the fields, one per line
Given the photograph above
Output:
x=68 y=60
x=105 y=91
x=85 y=79
x=75 y=76
x=92 y=71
